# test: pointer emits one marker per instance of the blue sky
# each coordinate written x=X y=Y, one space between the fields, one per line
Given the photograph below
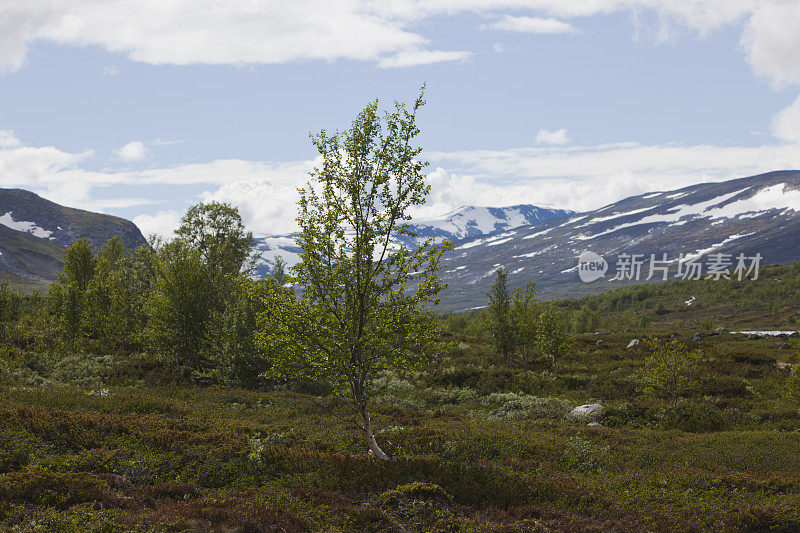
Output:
x=141 y=109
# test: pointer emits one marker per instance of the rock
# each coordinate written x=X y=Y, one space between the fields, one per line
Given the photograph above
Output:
x=783 y=366
x=634 y=342
x=754 y=336
x=583 y=411
x=595 y=425
x=597 y=333
x=722 y=330
x=698 y=337
x=600 y=342
x=794 y=334
x=782 y=336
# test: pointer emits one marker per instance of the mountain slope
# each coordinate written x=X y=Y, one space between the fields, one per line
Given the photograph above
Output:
x=464 y=222
x=35 y=231
x=759 y=214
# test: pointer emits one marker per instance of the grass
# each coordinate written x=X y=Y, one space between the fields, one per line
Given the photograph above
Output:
x=475 y=445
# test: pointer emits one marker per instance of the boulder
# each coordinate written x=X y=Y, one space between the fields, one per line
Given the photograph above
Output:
x=595 y=425
x=583 y=411
x=634 y=342
x=698 y=337
x=600 y=342
x=722 y=330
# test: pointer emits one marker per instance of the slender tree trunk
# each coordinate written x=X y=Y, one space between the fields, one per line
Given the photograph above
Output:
x=373 y=444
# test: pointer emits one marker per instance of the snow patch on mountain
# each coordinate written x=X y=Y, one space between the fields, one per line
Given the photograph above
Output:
x=22 y=225
x=462 y=223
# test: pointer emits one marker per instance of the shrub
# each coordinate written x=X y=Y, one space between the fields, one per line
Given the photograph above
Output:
x=414 y=491
x=668 y=372
x=584 y=455
x=695 y=418
x=793 y=387
x=55 y=489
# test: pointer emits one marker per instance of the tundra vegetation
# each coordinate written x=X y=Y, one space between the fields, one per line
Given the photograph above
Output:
x=163 y=389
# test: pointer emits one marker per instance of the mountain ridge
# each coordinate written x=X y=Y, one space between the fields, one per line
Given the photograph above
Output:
x=749 y=215
x=461 y=223
x=34 y=232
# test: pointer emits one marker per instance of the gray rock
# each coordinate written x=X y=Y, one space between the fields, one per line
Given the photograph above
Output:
x=634 y=342
x=595 y=425
x=600 y=342
x=587 y=410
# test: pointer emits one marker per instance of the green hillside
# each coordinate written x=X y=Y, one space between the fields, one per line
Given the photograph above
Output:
x=772 y=302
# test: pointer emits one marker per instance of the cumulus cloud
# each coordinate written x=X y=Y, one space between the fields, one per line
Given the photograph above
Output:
x=532 y=25
x=162 y=223
x=133 y=151
x=772 y=41
x=183 y=32
x=235 y=32
x=8 y=139
x=587 y=177
x=574 y=177
x=786 y=124
x=557 y=137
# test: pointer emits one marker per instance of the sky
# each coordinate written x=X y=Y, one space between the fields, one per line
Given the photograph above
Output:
x=141 y=108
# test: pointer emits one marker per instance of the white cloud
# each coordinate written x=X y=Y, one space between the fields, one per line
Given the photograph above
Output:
x=110 y=70
x=772 y=41
x=532 y=25
x=558 y=137
x=575 y=177
x=412 y=58
x=133 y=151
x=236 y=32
x=162 y=223
x=786 y=124
x=587 y=177
x=8 y=139
x=183 y=32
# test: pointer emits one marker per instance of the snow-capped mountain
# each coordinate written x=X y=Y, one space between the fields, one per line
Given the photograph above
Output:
x=462 y=223
x=754 y=215
x=35 y=231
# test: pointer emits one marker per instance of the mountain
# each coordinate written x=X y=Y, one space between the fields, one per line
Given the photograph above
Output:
x=464 y=222
x=35 y=231
x=754 y=215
